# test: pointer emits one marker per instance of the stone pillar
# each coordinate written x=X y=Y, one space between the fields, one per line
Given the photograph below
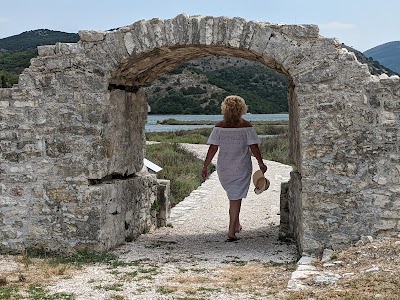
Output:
x=291 y=223
x=164 y=204
x=284 y=212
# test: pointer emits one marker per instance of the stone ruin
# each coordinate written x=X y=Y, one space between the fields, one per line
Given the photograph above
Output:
x=72 y=134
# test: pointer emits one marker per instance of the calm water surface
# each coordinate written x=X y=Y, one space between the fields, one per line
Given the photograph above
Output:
x=152 y=126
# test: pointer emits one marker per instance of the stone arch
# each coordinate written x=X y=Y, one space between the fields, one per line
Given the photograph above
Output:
x=72 y=134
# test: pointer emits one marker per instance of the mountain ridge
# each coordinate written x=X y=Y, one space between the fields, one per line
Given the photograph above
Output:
x=387 y=54
x=29 y=40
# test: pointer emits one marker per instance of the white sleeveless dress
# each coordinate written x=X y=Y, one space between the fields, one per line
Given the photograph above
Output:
x=234 y=165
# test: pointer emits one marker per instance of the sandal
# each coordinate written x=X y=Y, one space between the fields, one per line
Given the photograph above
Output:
x=232 y=239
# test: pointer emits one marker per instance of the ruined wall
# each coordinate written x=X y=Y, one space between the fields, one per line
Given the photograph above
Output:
x=77 y=118
x=350 y=163
x=70 y=155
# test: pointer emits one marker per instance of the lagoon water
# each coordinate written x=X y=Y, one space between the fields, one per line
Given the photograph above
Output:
x=152 y=126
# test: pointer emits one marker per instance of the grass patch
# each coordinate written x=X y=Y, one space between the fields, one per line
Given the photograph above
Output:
x=195 y=136
x=8 y=292
x=173 y=121
x=200 y=135
x=37 y=268
x=77 y=259
x=179 y=166
x=38 y=292
x=271 y=129
x=120 y=263
x=275 y=149
x=84 y=257
x=110 y=287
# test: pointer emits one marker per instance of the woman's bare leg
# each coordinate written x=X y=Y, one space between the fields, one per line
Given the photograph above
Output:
x=234 y=211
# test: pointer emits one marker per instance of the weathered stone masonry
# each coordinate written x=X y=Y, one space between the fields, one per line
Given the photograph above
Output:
x=72 y=134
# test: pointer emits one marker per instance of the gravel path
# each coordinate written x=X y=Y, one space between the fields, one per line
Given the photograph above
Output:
x=191 y=259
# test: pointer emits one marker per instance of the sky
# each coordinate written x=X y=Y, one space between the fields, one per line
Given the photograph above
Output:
x=361 y=24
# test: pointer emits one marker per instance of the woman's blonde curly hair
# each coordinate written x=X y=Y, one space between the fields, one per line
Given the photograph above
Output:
x=233 y=108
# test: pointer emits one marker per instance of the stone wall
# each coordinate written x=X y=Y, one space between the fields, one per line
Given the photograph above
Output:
x=291 y=211
x=70 y=163
x=350 y=168
x=76 y=120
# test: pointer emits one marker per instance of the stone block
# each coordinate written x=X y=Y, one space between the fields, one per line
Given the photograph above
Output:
x=206 y=30
x=6 y=93
x=91 y=35
x=132 y=45
x=367 y=239
x=61 y=194
x=306 y=260
x=17 y=191
x=27 y=103
x=235 y=28
x=48 y=50
x=181 y=29
x=303 y=274
x=157 y=27
x=68 y=48
x=385 y=224
x=302 y=31
x=327 y=255
x=4 y=104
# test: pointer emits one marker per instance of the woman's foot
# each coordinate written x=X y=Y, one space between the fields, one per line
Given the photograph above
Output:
x=239 y=229
x=232 y=238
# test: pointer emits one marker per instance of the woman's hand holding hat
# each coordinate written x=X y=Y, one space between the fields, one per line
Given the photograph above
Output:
x=263 y=167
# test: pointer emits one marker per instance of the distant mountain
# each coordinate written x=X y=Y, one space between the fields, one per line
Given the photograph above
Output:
x=374 y=66
x=29 y=40
x=387 y=54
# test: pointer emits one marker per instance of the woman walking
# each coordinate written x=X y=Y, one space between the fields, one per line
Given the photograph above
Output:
x=235 y=138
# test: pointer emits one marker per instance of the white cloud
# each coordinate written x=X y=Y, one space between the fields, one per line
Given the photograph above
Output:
x=336 y=26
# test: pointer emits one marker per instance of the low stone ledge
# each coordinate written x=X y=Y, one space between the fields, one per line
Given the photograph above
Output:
x=91 y=35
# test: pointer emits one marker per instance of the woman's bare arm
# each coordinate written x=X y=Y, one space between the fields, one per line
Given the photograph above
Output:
x=257 y=154
x=210 y=155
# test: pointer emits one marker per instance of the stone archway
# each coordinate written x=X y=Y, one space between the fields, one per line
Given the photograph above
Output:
x=72 y=135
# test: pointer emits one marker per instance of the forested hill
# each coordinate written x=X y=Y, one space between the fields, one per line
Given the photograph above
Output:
x=29 y=40
x=199 y=86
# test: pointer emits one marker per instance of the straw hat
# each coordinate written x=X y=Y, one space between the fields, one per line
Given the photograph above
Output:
x=260 y=182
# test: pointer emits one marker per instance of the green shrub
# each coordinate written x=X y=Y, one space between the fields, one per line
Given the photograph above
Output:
x=275 y=149
x=179 y=166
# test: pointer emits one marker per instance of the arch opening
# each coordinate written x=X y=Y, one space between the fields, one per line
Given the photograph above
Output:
x=139 y=72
